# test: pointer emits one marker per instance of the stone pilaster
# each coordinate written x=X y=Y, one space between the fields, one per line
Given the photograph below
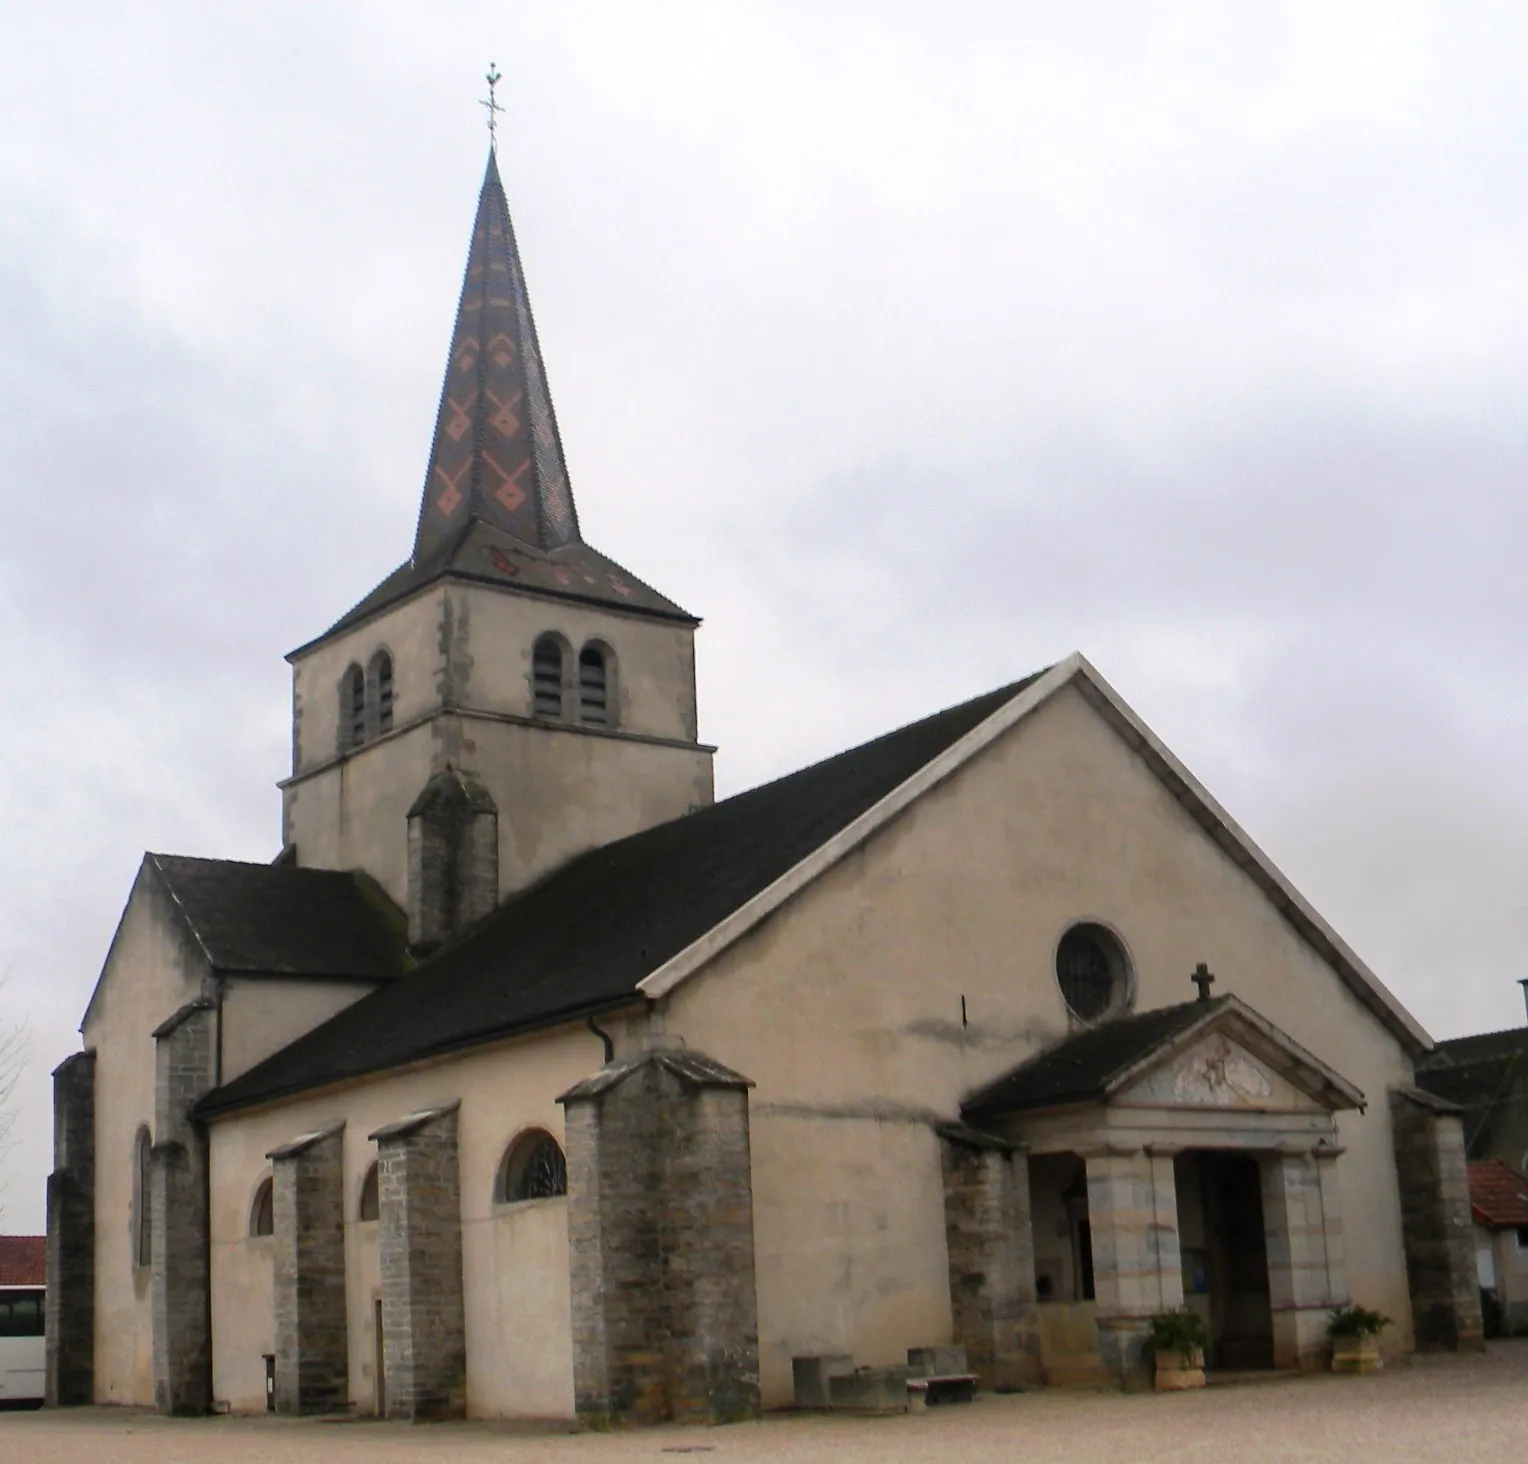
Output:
x=185 y=1069
x=453 y=846
x=1435 y=1222
x=308 y=1201
x=424 y=1329
x=70 y=1378
x=1299 y=1231
x=660 y=1229
x=992 y=1256
x=1137 y=1262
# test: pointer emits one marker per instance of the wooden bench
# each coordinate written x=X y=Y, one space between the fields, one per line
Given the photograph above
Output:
x=948 y=1388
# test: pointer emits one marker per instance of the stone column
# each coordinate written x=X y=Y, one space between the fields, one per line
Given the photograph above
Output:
x=424 y=1329
x=185 y=1069
x=1297 y=1230
x=992 y=1256
x=1137 y=1262
x=308 y=1203
x=70 y=1377
x=660 y=1229
x=1435 y=1222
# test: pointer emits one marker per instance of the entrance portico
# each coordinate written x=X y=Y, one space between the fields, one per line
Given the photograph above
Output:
x=1201 y=1121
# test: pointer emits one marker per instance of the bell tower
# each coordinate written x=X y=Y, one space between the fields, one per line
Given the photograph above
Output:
x=508 y=697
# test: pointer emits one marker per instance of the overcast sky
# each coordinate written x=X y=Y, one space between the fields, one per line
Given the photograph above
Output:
x=911 y=345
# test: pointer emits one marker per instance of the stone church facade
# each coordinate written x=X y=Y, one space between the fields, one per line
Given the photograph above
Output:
x=529 y=1080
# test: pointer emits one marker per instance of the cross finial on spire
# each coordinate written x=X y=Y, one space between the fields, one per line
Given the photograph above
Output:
x=1202 y=979
x=493 y=78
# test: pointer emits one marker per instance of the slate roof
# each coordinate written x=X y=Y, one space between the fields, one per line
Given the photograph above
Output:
x=1498 y=1194
x=497 y=504
x=23 y=1260
x=279 y=919
x=1479 y=1073
x=582 y=939
x=1079 y=1069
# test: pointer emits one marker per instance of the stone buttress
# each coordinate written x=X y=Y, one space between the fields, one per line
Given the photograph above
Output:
x=71 y=1235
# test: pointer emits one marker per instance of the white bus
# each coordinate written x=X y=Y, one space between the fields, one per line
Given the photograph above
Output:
x=21 y=1345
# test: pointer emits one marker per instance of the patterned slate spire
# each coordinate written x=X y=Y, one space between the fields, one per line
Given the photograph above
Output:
x=497 y=456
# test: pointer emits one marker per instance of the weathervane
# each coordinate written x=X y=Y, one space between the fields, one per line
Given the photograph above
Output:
x=491 y=103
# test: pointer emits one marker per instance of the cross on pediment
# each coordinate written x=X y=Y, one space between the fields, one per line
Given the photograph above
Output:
x=1203 y=979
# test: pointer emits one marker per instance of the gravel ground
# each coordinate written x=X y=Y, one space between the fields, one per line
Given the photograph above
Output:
x=1453 y=1409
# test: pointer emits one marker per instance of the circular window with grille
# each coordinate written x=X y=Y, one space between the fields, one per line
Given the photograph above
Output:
x=1092 y=971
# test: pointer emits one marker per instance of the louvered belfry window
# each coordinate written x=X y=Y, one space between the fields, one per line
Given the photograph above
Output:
x=382 y=675
x=593 y=703
x=546 y=678
x=354 y=707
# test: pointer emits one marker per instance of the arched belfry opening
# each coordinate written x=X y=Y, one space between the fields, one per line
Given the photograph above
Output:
x=453 y=833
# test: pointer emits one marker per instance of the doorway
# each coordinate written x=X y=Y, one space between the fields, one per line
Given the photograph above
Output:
x=1225 y=1255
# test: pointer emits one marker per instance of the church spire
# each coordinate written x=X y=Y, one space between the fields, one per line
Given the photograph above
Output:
x=497 y=456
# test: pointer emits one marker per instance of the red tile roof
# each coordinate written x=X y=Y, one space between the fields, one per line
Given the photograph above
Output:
x=1498 y=1194
x=23 y=1260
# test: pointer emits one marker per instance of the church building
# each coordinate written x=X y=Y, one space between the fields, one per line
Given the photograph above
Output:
x=529 y=1080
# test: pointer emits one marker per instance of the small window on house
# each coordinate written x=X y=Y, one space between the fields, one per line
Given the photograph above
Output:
x=1522 y=1238
x=262 y=1214
x=1092 y=971
x=382 y=689
x=353 y=708
x=546 y=678
x=593 y=706
x=143 y=1186
x=532 y=1169
x=370 y=1207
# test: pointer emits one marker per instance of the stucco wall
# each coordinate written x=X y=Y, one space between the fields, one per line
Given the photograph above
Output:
x=515 y=1257
x=149 y=973
x=846 y=1009
x=263 y=1015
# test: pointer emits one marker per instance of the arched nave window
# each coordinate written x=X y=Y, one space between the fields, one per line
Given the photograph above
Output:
x=143 y=1198
x=533 y=1168
x=369 y=1207
x=262 y=1213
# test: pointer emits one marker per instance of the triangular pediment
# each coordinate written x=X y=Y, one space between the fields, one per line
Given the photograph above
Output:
x=1211 y=1054
x=1217 y=1072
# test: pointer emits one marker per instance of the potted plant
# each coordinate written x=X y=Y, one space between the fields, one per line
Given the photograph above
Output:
x=1177 y=1340
x=1354 y=1331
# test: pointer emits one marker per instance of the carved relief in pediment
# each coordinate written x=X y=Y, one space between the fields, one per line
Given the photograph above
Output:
x=1218 y=1073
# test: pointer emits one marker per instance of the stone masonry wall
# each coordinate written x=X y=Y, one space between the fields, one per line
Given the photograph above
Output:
x=453 y=854
x=308 y=1201
x=424 y=1336
x=660 y=1226
x=70 y=1378
x=185 y=1058
x=992 y=1265
x=1435 y=1223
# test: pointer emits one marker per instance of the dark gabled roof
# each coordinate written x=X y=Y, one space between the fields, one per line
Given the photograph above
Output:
x=1479 y=1073
x=1079 y=1069
x=1498 y=1195
x=278 y=919
x=1479 y=1047
x=487 y=555
x=582 y=939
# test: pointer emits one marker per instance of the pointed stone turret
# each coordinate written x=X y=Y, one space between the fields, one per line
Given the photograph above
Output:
x=496 y=457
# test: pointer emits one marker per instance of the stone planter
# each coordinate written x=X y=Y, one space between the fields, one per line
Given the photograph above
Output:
x=1179 y=1371
x=1356 y=1354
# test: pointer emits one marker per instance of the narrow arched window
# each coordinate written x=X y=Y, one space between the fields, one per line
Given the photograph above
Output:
x=143 y=1185
x=382 y=689
x=546 y=678
x=370 y=1207
x=533 y=1168
x=262 y=1213
x=353 y=708
x=593 y=699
